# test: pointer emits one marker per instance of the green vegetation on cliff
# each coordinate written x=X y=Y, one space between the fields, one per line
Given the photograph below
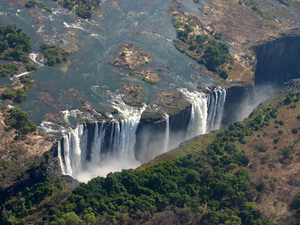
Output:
x=202 y=48
x=54 y=54
x=19 y=120
x=34 y=193
x=15 y=45
x=18 y=95
x=83 y=8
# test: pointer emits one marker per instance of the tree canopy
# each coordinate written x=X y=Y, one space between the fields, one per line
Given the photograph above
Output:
x=15 y=45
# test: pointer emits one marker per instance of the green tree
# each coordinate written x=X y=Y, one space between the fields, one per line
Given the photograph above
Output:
x=71 y=218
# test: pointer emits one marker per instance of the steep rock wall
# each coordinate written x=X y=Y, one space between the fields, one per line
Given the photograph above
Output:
x=278 y=60
x=237 y=99
x=150 y=134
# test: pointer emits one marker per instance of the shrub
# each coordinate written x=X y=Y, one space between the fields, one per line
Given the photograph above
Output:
x=261 y=148
x=281 y=122
x=280 y=132
x=260 y=186
x=224 y=74
x=149 y=81
x=273 y=114
x=47 y=156
x=295 y=130
x=276 y=140
x=287 y=100
x=9 y=93
x=286 y=153
x=201 y=61
x=29 y=4
x=297 y=141
x=123 y=55
x=296 y=202
x=30 y=67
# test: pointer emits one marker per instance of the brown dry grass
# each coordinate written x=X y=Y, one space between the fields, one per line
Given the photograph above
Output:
x=283 y=180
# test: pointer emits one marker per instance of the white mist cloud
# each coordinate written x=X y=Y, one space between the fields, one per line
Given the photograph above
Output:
x=107 y=166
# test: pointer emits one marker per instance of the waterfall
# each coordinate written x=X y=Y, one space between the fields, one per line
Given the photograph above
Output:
x=88 y=145
x=198 y=120
x=90 y=149
x=167 y=133
x=59 y=158
x=97 y=143
x=206 y=112
x=215 y=108
x=68 y=168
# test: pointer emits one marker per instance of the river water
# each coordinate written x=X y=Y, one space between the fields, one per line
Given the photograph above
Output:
x=146 y=24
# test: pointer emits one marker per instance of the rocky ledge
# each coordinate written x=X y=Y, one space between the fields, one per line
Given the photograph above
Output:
x=131 y=57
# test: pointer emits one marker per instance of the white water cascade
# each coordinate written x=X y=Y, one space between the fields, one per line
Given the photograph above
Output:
x=96 y=149
x=167 y=133
x=216 y=103
x=99 y=148
x=206 y=112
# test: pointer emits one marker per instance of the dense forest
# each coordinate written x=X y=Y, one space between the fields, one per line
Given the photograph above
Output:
x=83 y=8
x=15 y=45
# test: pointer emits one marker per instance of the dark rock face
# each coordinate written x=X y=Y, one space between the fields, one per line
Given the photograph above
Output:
x=54 y=170
x=237 y=98
x=278 y=60
x=150 y=134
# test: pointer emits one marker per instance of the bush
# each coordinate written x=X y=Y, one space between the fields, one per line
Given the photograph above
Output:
x=276 y=140
x=47 y=156
x=273 y=114
x=9 y=93
x=281 y=122
x=54 y=54
x=297 y=141
x=29 y=4
x=261 y=148
x=261 y=186
x=149 y=81
x=295 y=130
x=286 y=153
x=30 y=67
x=288 y=100
x=224 y=74
x=280 y=132
x=201 y=61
